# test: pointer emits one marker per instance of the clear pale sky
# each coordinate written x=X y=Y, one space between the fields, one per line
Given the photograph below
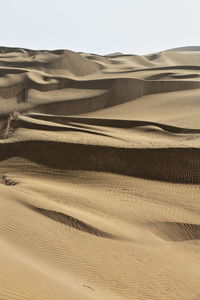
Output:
x=100 y=26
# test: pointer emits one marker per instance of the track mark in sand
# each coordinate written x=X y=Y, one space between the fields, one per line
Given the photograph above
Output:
x=88 y=287
x=5 y=180
x=72 y=222
x=176 y=232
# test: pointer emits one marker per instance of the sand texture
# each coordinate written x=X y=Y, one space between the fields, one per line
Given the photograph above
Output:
x=99 y=175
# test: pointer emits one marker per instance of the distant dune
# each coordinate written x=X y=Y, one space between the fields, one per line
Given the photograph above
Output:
x=99 y=175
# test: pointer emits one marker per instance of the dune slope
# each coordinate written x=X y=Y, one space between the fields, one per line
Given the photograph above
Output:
x=99 y=175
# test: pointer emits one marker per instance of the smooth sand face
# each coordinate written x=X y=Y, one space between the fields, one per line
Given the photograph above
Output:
x=99 y=192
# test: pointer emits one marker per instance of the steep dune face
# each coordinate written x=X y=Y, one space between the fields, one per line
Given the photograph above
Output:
x=99 y=175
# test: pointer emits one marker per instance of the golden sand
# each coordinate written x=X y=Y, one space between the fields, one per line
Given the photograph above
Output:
x=100 y=173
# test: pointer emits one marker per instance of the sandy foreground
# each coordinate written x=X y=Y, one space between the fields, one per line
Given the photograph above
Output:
x=99 y=175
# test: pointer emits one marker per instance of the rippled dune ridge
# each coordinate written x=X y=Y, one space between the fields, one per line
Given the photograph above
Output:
x=99 y=175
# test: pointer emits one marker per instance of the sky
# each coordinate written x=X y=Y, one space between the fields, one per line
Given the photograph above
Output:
x=100 y=26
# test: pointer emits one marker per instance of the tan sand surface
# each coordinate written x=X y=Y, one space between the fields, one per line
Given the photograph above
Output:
x=99 y=175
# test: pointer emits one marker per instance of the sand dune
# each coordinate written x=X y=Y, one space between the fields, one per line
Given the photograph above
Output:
x=99 y=175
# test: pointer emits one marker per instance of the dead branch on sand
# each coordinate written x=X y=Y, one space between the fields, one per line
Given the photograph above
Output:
x=8 y=125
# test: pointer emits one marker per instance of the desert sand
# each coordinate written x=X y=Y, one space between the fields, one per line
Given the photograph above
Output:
x=99 y=175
